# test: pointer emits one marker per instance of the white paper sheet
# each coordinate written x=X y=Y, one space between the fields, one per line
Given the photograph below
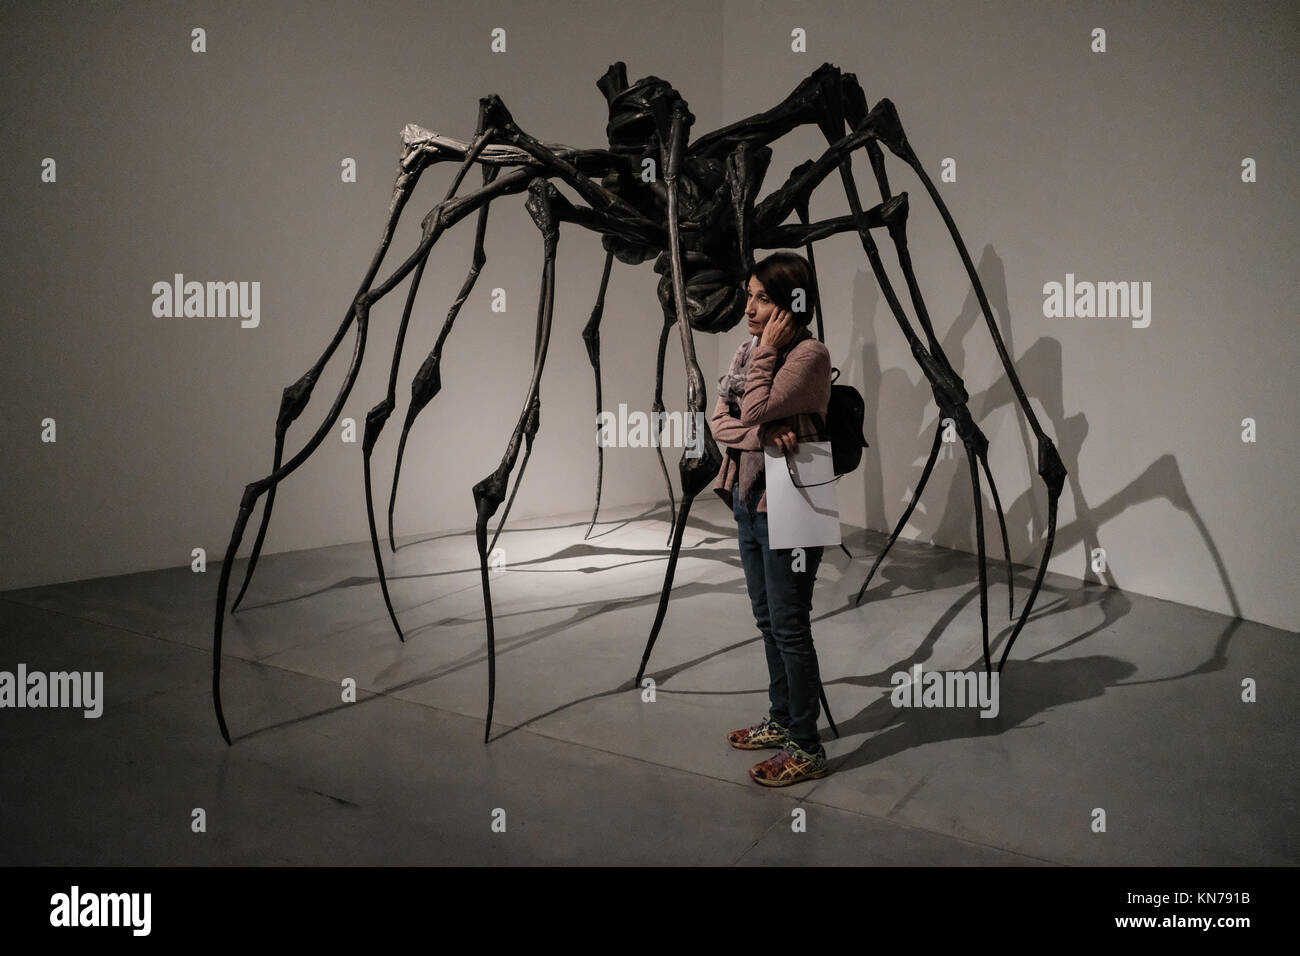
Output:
x=801 y=517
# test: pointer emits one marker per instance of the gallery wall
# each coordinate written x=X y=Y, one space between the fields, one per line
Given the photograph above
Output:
x=1153 y=153
x=1110 y=157
x=227 y=165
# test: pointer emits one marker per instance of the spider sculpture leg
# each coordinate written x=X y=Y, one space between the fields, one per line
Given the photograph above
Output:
x=850 y=98
x=519 y=480
x=424 y=386
x=695 y=472
x=801 y=207
x=591 y=338
x=361 y=313
x=624 y=221
x=591 y=334
x=552 y=208
x=947 y=387
x=295 y=397
x=378 y=416
x=825 y=97
x=529 y=433
x=634 y=226
x=657 y=407
x=293 y=401
x=950 y=394
x=418 y=153
x=416 y=157
x=375 y=420
x=427 y=381
x=490 y=492
x=883 y=125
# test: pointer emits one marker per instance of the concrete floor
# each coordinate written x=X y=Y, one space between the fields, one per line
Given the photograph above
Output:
x=1113 y=701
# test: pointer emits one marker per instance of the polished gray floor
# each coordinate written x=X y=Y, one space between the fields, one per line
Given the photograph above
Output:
x=1122 y=736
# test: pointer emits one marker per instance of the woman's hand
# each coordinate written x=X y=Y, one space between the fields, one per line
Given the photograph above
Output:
x=779 y=434
x=779 y=329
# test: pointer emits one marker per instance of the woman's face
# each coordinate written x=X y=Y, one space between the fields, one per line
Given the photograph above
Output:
x=758 y=306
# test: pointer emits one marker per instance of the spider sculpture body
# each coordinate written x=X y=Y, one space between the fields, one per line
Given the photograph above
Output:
x=698 y=216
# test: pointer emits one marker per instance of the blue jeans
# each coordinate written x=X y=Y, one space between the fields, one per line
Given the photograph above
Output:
x=782 y=600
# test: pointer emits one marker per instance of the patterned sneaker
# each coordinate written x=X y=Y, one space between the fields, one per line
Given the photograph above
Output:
x=759 y=737
x=792 y=765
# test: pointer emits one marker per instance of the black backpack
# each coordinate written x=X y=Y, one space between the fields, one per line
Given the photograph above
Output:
x=843 y=426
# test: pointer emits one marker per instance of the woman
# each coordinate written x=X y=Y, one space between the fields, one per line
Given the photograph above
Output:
x=777 y=378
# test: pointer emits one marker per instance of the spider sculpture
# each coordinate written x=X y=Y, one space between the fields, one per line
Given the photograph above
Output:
x=701 y=222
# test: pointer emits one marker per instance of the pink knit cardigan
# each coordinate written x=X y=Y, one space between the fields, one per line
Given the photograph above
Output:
x=787 y=384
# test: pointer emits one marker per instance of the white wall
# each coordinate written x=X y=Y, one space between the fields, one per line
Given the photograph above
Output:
x=1123 y=165
x=225 y=166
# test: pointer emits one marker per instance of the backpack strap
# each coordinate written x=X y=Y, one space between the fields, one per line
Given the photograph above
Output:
x=818 y=420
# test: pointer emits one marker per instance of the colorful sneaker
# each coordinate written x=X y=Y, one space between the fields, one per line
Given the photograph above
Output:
x=759 y=737
x=792 y=765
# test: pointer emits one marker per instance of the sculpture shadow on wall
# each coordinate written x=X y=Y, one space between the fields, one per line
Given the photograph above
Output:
x=1040 y=369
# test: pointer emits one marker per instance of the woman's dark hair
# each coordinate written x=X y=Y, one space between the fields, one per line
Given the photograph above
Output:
x=782 y=275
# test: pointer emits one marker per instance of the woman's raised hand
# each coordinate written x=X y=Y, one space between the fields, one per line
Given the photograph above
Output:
x=779 y=328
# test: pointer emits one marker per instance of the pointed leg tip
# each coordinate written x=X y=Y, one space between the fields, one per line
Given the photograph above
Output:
x=392 y=617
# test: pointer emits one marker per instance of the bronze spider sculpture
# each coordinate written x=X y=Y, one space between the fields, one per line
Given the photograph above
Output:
x=701 y=222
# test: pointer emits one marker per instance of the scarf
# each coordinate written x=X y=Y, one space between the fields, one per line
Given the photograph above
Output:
x=732 y=386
